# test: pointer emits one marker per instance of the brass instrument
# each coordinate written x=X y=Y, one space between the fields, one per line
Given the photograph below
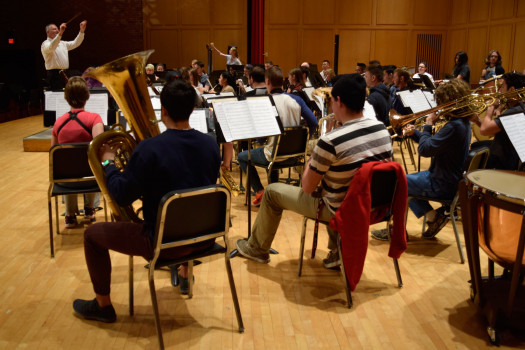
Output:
x=125 y=79
x=227 y=180
x=464 y=107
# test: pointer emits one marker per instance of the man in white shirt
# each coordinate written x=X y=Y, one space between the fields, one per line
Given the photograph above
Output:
x=55 y=52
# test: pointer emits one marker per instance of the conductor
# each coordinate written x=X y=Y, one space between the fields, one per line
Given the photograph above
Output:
x=55 y=52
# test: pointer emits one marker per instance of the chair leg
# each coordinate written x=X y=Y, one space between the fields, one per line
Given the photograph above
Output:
x=155 y=305
x=301 y=249
x=105 y=208
x=403 y=156
x=131 y=299
x=410 y=152
x=50 y=211
x=233 y=290
x=458 y=241
x=345 y=280
x=56 y=215
x=398 y=274
x=190 y=279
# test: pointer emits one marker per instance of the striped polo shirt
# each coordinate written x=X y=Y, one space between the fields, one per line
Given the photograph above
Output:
x=339 y=153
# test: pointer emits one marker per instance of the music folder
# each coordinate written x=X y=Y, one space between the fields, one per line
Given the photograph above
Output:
x=514 y=126
x=251 y=118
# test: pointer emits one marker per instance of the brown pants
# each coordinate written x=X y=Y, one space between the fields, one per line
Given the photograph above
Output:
x=127 y=238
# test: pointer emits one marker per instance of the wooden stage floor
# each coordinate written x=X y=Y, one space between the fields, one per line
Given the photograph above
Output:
x=280 y=310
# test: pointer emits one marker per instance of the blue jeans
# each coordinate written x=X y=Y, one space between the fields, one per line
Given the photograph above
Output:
x=421 y=184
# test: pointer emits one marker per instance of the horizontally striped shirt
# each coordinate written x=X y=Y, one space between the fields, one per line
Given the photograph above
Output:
x=339 y=154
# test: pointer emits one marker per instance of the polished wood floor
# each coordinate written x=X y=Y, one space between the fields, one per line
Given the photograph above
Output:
x=280 y=310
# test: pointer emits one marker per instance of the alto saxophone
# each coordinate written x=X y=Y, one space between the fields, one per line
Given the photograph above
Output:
x=228 y=181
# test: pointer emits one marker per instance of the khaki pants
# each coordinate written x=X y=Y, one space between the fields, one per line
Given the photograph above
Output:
x=278 y=197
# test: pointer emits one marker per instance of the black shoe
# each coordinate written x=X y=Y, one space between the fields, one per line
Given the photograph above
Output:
x=90 y=310
x=184 y=284
x=381 y=235
x=435 y=226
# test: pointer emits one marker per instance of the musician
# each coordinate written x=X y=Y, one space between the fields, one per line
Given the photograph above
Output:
x=493 y=65
x=55 y=52
x=325 y=66
x=75 y=126
x=226 y=84
x=448 y=149
x=379 y=96
x=503 y=155
x=401 y=80
x=268 y=64
x=179 y=158
x=360 y=68
x=160 y=67
x=334 y=161
x=388 y=76
x=232 y=58
x=256 y=77
x=202 y=76
x=461 y=68
x=330 y=75
x=422 y=70
x=290 y=108
x=297 y=84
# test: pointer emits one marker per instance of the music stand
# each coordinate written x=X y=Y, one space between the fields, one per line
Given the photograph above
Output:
x=428 y=83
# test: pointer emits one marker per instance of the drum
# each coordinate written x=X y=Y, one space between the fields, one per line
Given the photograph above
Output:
x=499 y=228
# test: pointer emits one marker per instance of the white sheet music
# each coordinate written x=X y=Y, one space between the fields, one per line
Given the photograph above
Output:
x=226 y=94
x=198 y=120
x=515 y=128
x=416 y=100
x=155 y=102
x=430 y=98
x=97 y=103
x=369 y=112
x=241 y=120
x=308 y=91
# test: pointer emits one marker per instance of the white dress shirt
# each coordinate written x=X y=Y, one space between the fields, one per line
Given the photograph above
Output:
x=55 y=51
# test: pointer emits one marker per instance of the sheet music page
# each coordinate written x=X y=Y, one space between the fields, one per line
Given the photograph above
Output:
x=162 y=127
x=239 y=120
x=155 y=102
x=248 y=88
x=515 y=128
x=98 y=103
x=319 y=101
x=430 y=98
x=51 y=98
x=369 y=112
x=226 y=94
x=308 y=91
x=220 y=113
x=198 y=120
x=415 y=100
x=263 y=118
x=150 y=90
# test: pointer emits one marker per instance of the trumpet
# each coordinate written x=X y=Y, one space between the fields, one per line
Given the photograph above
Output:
x=464 y=107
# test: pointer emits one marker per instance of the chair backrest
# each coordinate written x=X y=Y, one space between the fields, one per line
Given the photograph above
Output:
x=477 y=159
x=383 y=188
x=191 y=216
x=68 y=162
x=291 y=143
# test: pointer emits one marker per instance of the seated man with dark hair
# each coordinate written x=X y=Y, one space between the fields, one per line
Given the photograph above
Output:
x=448 y=149
x=257 y=83
x=179 y=158
x=334 y=161
x=503 y=155
x=360 y=68
x=401 y=80
x=379 y=96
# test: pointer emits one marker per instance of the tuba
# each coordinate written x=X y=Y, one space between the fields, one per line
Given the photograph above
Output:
x=125 y=80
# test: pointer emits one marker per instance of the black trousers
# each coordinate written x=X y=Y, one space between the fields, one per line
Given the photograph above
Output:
x=56 y=82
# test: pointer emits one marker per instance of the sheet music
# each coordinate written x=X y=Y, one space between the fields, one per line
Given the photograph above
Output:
x=415 y=100
x=155 y=102
x=308 y=91
x=251 y=118
x=198 y=120
x=248 y=88
x=226 y=94
x=369 y=112
x=515 y=128
x=430 y=98
x=97 y=103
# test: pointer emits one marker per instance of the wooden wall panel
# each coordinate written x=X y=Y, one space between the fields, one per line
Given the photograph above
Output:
x=222 y=38
x=282 y=12
x=163 y=12
x=316 y=12
x=521 y=8
x=165 y=44
x=194 y=12
x=502 y=9
x=192 y=47
x=497 y=35
x=228 y=12
x=430 y=13
x=477 y=51
x=282 y=46
x=354 y=12
x=318 y=43
x=393 y=11
x=456 y=41
x=518 y=61
x=391 y=47
x=459 y=12
x=354 y=46
x=479 y=10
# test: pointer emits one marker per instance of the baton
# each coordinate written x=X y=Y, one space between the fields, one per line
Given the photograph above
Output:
x=75 y=16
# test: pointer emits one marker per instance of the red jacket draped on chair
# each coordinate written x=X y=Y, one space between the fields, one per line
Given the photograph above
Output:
x=354 y=216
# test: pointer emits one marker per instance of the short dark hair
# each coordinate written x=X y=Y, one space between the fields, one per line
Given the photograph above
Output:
x=403 y=73
x=374 y=62
x=274 y=75
x=178 y=98
x=76 y=92
x=230 y=79
x=389 y=68
x=516 y=80
x=362 y=65
x=257 y=74
x=376 y=70
x=351 y=90
x=248 y=66
x=326 y=61
x=200 y=64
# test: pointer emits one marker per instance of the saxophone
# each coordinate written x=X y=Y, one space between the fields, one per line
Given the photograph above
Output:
x=125 y=80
